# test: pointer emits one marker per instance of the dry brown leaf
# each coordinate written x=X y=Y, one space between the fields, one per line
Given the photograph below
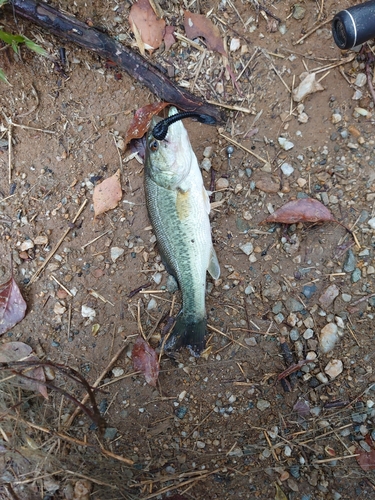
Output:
x=199 y=25
x=365 y=459
x=169 y=38
x=12 y=305
x=18 y=351
x=107 y=194
x=145 y=360
x=301 y=210
x=146 y=26
x=142 y=120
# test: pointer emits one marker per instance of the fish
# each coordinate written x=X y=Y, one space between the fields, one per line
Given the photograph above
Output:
x=178 y=206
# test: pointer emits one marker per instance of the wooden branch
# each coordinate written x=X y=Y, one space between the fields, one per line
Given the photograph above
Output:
x=71 y=29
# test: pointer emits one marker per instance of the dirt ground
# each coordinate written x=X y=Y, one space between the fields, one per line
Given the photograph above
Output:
x=221 y=427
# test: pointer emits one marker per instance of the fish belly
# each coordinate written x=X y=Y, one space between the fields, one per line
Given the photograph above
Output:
x=182 y=228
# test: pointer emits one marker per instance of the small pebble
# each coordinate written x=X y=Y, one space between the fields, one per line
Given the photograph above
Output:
x=356 y=275
x=262 y=404
x=350 y=261
x=360 y=80
x=206 y=164
x=287 y=169
x=334 y=368
x=201 y=445
x=247 y=248
x=116 y=252
x=110 y=433
x=329 y=296
x=328 y=337
x=87 y=312
x=285 y=144
x=222 y=183
x=309 y=333
x=117 y=371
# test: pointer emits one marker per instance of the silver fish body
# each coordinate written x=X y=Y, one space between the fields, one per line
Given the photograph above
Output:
x=178 y=207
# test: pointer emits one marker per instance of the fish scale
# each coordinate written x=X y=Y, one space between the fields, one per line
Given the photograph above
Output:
x=178 y=208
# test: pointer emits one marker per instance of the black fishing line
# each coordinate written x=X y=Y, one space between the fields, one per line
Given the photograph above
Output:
x=161 y=129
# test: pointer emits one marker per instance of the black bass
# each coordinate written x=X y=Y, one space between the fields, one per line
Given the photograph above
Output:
x=178 y=207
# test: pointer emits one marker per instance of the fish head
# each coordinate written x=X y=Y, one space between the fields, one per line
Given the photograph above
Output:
x=168 y=161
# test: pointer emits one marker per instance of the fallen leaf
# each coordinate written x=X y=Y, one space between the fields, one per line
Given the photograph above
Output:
x=146 y=25
x=145 y=360
x=169 y=38
x=142 y=120
x=301 y=210
x=18 y=351
x=199 y=25
x=365 y=459
x=302 y=407
x=107 y=194
x=12 y=305
x=280 y=495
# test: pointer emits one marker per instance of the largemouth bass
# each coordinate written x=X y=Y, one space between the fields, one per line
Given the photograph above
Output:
x=178 y=207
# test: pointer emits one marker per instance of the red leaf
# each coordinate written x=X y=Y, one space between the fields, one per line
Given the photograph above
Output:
x=302 y=407
x=145 y=360
x=146 y=25
x=301 y=210
x=12 y=305
x=366 y=460
x=142 y=120
x=18 y=351
x=169 y=38
x=200 y=25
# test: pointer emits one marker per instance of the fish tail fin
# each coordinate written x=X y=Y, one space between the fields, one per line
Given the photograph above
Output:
x=187 y=334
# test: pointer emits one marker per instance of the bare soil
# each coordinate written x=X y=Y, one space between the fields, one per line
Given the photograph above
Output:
x=221 y=427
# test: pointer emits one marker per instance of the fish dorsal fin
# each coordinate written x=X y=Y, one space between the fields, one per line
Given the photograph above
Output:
x=213 y=266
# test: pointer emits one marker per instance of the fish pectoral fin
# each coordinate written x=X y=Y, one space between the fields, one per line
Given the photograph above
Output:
x=213 y=266
x=206 y=200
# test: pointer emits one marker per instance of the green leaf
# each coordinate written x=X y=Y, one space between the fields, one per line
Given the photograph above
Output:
x=35 y=47
x=3 y=2
x=3 y=78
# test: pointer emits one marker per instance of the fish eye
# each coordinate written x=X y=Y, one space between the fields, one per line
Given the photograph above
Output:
x=154 y=146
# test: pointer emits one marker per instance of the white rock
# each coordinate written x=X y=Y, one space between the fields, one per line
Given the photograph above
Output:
x=117 y=371
x=247 y=248
x=152 y=305
x=157 y=278
x=285 y=144
x=336 y=118
x=88 y=312
x=360 y=80
x=232 y=399
x=59 y=308
x=116 y=252
x=41 y=240
x=311 y=356
x=206 y=164
x=328 y=337
x=287 y=169
x=287 y=451
x=26 y=245
x=334 y=368
x=303 y=118
x=234 y=44
x=309 y=333
x=358 y=94
x=339 y=322
x=207 y=153
x=322 y=378
x=371 y=223
x=249 y=290
x=307 y=86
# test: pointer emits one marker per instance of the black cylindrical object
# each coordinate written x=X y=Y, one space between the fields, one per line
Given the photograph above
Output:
x=355 y=25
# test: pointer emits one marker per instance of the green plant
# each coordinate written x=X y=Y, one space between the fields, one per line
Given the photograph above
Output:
x=14 y=41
